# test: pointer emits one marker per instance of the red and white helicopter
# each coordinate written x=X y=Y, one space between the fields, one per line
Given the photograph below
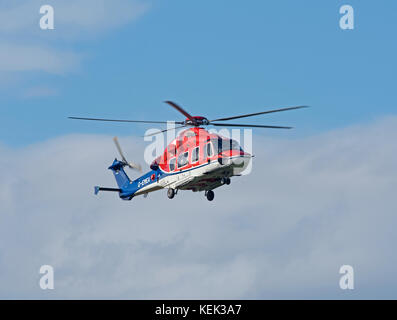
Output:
x=195 y=160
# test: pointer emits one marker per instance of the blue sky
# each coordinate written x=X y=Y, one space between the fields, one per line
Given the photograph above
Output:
x=216 y=58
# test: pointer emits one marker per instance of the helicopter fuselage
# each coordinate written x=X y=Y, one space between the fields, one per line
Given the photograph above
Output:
x=196 y=160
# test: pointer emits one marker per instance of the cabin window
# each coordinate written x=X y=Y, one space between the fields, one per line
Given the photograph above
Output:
x=172 y=164
x=209 y=152
x=183 y=159
x=195 y=154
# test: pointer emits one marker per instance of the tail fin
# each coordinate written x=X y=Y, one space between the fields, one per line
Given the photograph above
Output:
x=119 y=173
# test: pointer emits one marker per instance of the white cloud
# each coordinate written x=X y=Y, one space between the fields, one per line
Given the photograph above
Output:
x=39 y=91
x=74 y=18
x=26 y=48
x=309 y=206
x=18 y=58
x=95 y=16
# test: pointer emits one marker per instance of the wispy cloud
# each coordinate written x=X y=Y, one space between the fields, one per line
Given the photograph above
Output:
x=75 y=18
x=309 y=206
x=39 y=91
x=27 y=48
x=19 y=58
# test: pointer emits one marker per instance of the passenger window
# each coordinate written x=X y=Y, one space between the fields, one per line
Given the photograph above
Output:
x=208 y=150
x=172 y=164
x=195 y=154
x=183 y=159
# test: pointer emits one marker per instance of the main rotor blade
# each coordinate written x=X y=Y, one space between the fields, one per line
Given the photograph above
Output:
x=258 y=113
x=247 y=125
x=114 y=120
x=180 y=109
x=153 y=134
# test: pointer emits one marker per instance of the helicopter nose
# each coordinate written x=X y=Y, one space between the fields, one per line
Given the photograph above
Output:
x=241 y=163
x=238 y=162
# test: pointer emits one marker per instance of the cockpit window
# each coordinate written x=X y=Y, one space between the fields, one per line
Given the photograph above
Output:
x=234 y=145
x=225 y=145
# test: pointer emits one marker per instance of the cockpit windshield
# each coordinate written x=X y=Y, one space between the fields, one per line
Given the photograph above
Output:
x=222 y=145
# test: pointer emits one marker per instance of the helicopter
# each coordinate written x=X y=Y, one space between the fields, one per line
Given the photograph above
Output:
x=195 y=160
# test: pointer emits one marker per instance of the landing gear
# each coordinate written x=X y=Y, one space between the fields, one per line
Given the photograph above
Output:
x=226 y=181
x=210 y=195
x=171 y=193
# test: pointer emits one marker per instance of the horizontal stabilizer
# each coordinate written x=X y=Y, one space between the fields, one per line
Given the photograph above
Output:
x=97 y=189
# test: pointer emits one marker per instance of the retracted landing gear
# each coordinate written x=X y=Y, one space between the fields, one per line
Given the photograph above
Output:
x=171 y=193
x=210 y=195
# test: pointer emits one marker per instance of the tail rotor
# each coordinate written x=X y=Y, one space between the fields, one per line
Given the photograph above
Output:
x=131 y=165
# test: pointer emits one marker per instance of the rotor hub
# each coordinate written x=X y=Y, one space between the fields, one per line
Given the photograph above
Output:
x=197 y=121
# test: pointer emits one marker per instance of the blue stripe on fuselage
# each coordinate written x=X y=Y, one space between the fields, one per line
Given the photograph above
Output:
x=145 y=180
